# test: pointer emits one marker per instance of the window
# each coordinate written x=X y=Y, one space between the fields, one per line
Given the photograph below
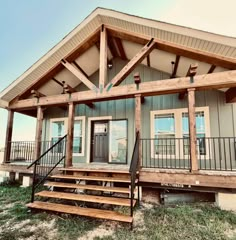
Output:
x=169 y=125
x=164 y=132
x=58 y=128
x=118 y=140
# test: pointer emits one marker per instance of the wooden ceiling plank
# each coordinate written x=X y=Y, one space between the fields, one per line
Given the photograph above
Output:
x=103 y=58
x=76 y=72
x=121 y=49
x=129 y=67
x=176 y=64
x=196 y=54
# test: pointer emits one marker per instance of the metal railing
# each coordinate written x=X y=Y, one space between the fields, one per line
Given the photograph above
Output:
x=133 y=171
x=22 y=151
x=213 y=153
x=47 y=162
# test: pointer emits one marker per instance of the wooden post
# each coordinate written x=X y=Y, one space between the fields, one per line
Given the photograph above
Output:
x=38 y=135
x=138 y=121
x=7 y=152
x=70 y=135
x=192 y=129
x=103 y=58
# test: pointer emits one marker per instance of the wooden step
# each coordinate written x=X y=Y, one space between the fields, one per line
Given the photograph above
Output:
x=94 y=170
x=93 y=178
x=86 y=198
x=88 y=187
x=87 y=212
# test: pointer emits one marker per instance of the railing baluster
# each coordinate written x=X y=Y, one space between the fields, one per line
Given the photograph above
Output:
x=230 y=156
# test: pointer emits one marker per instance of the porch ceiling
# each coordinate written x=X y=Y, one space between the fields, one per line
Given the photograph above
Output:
x=88 y=59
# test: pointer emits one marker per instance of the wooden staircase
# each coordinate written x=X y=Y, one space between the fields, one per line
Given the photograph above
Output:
x=88 y=192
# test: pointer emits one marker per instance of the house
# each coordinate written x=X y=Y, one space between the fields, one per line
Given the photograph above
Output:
x=124 y=103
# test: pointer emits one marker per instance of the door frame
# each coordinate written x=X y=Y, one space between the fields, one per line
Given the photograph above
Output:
x=90 y=120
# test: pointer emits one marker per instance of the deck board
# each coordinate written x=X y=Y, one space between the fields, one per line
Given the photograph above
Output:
x=86 y=198
x=87 y=212
x=88 y=187
x=93 y=178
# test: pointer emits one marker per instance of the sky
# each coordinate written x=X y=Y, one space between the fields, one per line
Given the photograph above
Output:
x=29 y=28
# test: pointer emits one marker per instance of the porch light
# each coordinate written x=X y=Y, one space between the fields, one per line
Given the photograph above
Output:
x=110 y=65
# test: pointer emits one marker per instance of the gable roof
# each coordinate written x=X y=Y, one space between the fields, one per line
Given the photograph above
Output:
x=185 y=37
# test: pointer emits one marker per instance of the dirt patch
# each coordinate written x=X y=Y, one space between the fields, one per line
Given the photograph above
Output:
x=104 y=230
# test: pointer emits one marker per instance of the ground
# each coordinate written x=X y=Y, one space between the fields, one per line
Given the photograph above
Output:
x=192 y=222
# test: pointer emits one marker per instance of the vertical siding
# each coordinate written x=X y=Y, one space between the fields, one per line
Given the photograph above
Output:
x=222 y=115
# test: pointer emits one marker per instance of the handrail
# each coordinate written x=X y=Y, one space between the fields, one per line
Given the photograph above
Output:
x=45 y=167
x=133 y=171
x=46 y=151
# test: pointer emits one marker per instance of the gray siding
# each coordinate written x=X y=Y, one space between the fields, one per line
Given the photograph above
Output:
x=222 y=115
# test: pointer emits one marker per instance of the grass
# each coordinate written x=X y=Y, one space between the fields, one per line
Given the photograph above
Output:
x=192 y=222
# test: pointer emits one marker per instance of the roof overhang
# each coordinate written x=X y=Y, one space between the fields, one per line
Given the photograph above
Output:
x=185 y=37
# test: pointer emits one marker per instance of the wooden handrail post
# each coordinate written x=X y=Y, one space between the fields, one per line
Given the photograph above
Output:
x=138 y=122
x=8 y=139
x=38 y=135
x=70 y=134
x=192 y=129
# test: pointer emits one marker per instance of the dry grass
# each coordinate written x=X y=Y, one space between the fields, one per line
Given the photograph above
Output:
x=192 y=222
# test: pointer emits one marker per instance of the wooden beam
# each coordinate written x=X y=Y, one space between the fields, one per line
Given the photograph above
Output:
x=38 y=135
x=121 y=49
x=192 y=70
x=81 y=69
x=212 y=68
x=79 y=75
x=68 y=89
x=58 y=82
x=138 y=121
x=112 y=47
x=129 y=67
x=37 y=94
x=148 y=60
x=8 y=139
x=103 y=58
x=71 y=56
x=176 y=64
x=168 y=86
x=230 y=95
x=192 y=130
x=176 y=49
x=222 y=180
x=70 y=135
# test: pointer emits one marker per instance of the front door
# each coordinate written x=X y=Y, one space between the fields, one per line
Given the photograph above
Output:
x=99 y=143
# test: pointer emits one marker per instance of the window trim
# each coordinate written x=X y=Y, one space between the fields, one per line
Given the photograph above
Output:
x=178 y=125
x=65 y=120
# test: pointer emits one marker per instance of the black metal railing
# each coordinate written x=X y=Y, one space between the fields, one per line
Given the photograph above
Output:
x=217 y=153
x=22 y=151
x=171 y=153
x=133 y=172
x=213 y=153
x=47 y=162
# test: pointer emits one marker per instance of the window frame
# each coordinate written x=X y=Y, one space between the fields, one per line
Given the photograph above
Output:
x=179 y=129
x=65 y=120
